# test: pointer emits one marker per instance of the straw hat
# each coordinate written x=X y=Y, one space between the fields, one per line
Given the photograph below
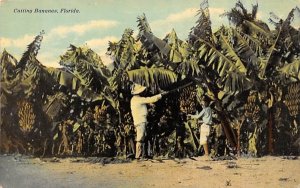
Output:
x=137 y=89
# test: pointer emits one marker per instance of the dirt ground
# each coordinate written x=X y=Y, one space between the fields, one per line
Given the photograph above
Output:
x=20 y=171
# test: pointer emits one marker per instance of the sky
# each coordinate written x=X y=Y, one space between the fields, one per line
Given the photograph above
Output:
x=100 y=21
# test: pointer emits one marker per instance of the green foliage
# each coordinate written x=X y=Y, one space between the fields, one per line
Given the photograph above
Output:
x=86 y=66
x=178 y=50
x=154 y=78
x=237 y=82
x=124 y=51
x=8 y=63
x=143 y=25
x=279 y=50
x=202 y=30
x=292 y=69
x=255 y=44
x=189 y=68
x=32 y=50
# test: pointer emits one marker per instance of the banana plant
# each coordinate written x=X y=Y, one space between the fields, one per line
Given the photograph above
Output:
x=124 y=54
x=86 y=66
x=85 y=74
x=129 y=59
x=247 y=23
x=202 y=29
x=171 y=49
x=284 y=48
x=220 y=56
x=8 y=65
x=240 y=56
x=28 y=82
x=168 y=56
x=32 y=50
x=29 y=77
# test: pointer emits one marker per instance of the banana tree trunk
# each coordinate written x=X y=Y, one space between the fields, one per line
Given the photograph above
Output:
x=230 y=135
x=270 y=134
x=195 y=140
x=239 y=141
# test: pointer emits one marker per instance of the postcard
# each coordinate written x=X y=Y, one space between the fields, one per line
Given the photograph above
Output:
x=161 y=93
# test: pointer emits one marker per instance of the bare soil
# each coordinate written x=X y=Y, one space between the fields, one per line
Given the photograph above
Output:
x=21 y=171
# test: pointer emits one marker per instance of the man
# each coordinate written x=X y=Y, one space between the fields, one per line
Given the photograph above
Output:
x=139 y=113
x=206 y=115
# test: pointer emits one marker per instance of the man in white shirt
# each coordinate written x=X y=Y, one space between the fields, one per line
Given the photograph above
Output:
x=139 y=113
x=206 y=115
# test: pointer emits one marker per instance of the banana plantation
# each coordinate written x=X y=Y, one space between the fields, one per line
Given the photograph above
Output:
x=249 y=73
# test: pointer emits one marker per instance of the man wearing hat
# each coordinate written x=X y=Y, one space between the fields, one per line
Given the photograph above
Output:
x=139 y=114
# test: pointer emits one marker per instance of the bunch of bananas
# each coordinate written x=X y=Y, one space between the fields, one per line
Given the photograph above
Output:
x=128 y=118
x=26 y=116
x=128 y=124
x=188 y=100
x=252 y=110
x=292 y=98
x=100 y=113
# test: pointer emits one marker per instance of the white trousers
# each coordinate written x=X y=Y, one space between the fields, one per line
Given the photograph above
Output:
x=140 y=137
x=140 y=132
x=204 y=133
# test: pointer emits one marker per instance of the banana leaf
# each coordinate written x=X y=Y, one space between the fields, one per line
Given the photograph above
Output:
x=292 y=69
x=152 y=77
